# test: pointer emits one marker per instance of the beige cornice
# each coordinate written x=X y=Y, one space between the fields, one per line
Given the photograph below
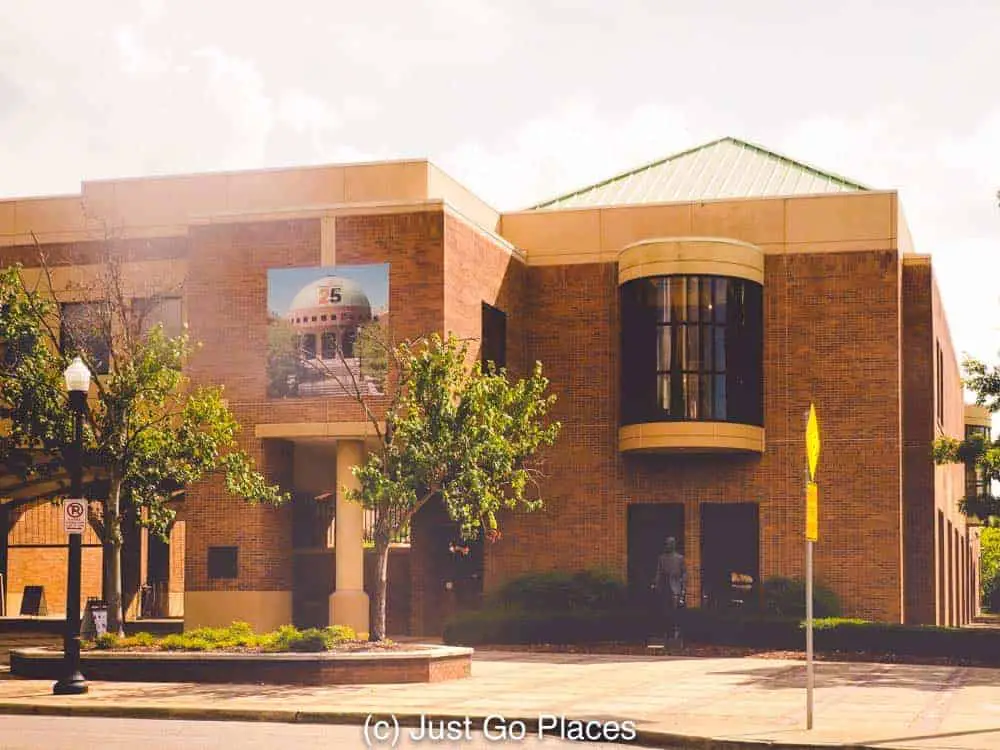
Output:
x=712 y=256
x=692 y=437
x=316 y=430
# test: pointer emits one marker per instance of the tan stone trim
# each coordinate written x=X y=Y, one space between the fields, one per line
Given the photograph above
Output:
x=557 y=258
x=713 y=256
x=368 y=208
x=333 y=430
x=264 y=610
x=978 y=416
x=328 y=241
x=699 y=437
x=812 y=224
x=916 y=260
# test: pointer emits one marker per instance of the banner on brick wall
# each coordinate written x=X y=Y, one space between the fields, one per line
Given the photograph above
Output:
x=328 y=331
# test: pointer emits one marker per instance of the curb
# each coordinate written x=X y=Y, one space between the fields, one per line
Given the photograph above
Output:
x=644 y=737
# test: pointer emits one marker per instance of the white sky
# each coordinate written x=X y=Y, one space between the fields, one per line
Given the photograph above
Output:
x=525 y=99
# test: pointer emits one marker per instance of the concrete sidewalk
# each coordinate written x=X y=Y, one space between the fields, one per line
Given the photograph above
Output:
x=737 y=702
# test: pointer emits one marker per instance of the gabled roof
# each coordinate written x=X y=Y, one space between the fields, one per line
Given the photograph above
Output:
x=726 y=168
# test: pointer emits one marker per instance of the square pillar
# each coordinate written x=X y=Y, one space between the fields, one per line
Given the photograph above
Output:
x=349 y=602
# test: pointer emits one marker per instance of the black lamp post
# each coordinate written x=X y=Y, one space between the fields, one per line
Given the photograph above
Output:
x=72 y=682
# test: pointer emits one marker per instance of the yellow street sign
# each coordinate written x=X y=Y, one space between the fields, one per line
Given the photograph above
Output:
x=812 y=442
x=812 y=512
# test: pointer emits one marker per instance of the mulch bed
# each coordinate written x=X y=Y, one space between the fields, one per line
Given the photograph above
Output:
x=737 y=652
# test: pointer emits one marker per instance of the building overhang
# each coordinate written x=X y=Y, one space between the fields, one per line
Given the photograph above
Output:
x=317 y=431
x=691 y=256
x=691 y=437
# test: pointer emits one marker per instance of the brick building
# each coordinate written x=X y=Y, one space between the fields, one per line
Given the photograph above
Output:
x=687 y=313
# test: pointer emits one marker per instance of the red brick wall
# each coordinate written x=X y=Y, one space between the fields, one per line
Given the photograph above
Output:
x=936 y=587
x=949 y=481
x=918 y=433
x=477 y=269
x=226 y=299
x=47 y=566
x=831 y=336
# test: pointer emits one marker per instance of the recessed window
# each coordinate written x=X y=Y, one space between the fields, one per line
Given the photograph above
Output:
x=222 y=562
x=494 y=342
x=164 y=311
x=692 y=349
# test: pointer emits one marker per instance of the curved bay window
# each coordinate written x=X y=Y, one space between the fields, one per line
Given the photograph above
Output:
x=692 y=349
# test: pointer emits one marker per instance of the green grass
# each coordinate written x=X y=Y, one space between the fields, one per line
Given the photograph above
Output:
x=238 y=636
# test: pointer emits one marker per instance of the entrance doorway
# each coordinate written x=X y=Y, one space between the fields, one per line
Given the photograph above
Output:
x=730 y=553
x=313 y=563
x=451 y=568
x=649 y=525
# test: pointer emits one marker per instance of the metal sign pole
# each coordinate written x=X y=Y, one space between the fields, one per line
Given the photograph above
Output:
x=809 y=634
x=812 y=523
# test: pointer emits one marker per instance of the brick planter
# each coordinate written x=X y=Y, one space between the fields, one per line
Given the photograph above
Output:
x=421 y=664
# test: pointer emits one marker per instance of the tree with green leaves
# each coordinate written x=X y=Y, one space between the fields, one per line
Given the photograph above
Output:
x=981 y=452
x=149 y=431
x=467 y=436
x=989 y=569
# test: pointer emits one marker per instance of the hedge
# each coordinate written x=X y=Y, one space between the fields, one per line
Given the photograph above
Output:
x=508 y=626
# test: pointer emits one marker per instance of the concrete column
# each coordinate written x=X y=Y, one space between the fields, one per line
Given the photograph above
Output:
x=349 y=602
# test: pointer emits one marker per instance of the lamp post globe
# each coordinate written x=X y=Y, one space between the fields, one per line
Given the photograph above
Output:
x=72 y=682
x=77 y=377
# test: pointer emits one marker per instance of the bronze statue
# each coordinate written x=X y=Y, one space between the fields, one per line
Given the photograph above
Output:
x=670 y=587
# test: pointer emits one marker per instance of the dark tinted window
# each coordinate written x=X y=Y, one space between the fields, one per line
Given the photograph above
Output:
x=222 y=562
x=692 y=349
x=494 y=343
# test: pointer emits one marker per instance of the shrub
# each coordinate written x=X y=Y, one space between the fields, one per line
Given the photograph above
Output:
x=106 y=640
x=236 y=636
x=786 y=597
x=341 y=633
x=312 y=639
x=510 y=626
x=726 y=628
x=562 y=592
x=141 y=640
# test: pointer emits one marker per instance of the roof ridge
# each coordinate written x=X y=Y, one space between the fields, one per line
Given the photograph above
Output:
x=626 y=173
x=797 y=162
x=814 y=171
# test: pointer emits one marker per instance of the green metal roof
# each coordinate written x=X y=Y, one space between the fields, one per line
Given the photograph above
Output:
x=726 y=168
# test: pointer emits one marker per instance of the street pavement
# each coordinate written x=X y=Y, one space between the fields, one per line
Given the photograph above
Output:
x=741 y=700
x=73 y=733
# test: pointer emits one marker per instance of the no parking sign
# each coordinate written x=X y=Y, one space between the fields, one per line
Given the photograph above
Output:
x=74 y=516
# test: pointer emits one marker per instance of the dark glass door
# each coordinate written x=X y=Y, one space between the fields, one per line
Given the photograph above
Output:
x=730 y=544
x=649 y=525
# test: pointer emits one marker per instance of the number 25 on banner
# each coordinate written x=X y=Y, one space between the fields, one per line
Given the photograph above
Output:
x=812 y=512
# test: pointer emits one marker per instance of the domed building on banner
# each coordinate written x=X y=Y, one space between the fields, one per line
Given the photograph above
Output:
x=326 y=315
